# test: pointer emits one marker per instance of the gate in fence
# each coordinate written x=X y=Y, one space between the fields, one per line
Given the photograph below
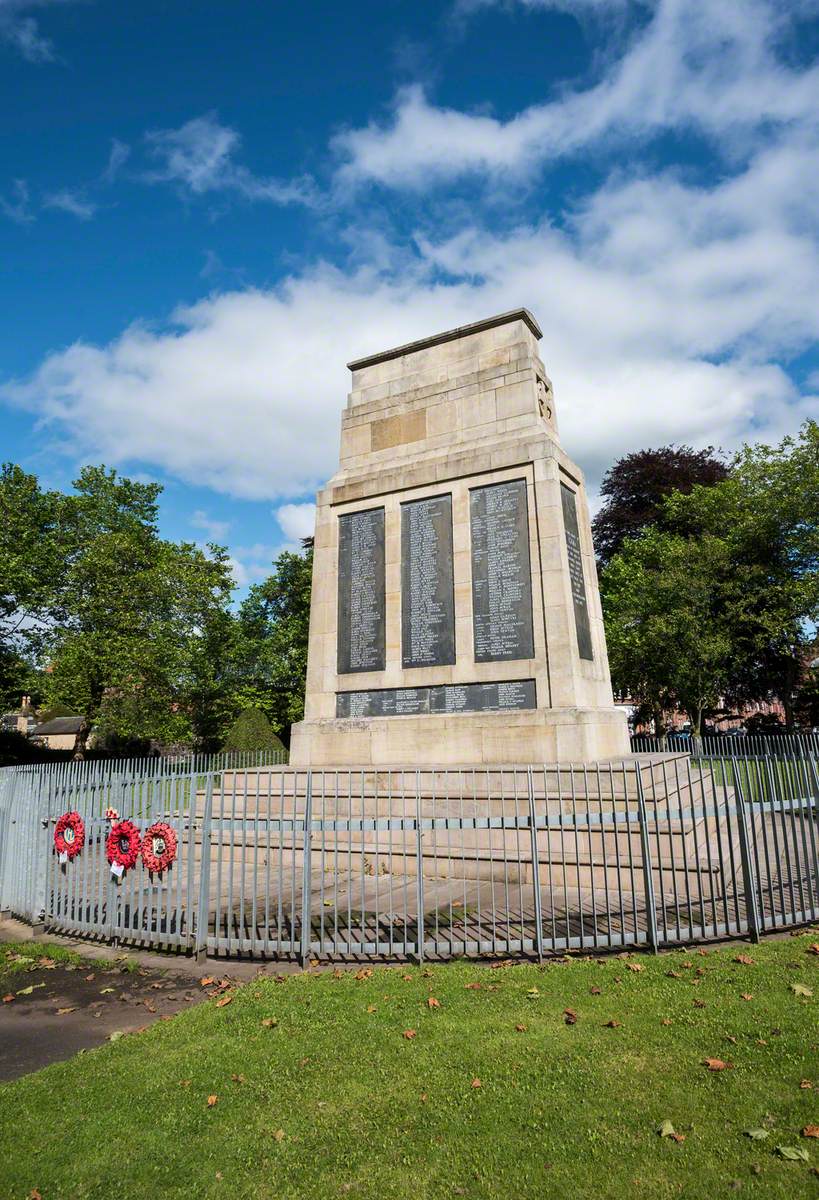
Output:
x=379 y=863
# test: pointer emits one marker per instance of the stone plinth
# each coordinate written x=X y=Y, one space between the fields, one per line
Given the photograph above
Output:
x=455 y=615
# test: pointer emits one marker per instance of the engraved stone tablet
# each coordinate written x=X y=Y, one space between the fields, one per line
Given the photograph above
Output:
x=361 y=591
x=578 y=582
x=427 y=589
x=501 y=575
x=446 y=698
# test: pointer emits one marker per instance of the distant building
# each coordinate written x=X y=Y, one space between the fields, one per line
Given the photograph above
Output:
x=61 y=733
x=23 y=720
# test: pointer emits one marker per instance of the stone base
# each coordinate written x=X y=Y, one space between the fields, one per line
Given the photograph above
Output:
x=458 y=739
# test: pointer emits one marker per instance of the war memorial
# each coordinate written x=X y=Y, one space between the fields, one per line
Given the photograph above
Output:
x=455 y=613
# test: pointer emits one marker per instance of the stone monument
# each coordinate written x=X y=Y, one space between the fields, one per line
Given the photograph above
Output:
x=455 y=615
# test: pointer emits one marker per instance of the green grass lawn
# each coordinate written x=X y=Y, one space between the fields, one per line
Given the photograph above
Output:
x=495 y=1095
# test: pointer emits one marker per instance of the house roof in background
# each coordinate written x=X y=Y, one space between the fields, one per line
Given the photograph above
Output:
x=60 y=725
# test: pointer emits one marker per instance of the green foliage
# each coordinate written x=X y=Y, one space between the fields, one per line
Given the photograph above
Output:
x=54 y=711
x=332 y=1100
x=722 y=600
x=252 y=731
x=664 y=602
x=272 y=642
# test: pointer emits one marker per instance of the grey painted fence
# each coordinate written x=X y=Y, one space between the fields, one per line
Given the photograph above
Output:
x=274 y=861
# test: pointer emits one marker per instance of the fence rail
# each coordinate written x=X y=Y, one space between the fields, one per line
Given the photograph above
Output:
x=774 y=745
x=521 y=860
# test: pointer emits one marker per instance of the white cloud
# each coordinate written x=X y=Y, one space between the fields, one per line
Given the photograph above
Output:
x=671 y=307
x=199 y=156
x=119 y=154
x=296 y=520
x=700 y=65
x=71 y=202
x=216 y=530
x=16 y=207
x=22 y=32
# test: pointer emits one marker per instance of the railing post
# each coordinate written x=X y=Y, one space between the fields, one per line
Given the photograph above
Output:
x=200 y=935
x=651 y=907
x=419 y=851
x=530 y=786
x=748 y=881
x=307 y=872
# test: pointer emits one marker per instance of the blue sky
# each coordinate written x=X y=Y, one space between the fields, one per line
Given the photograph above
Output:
x=207 y=209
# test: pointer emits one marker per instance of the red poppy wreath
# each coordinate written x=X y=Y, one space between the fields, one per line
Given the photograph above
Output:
x=159 y=847
x=69 y=834
x=123 y=844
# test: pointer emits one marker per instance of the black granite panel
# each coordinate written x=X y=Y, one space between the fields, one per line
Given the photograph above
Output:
x=578 y=582
x=361 y=592
x=445 y=698
x=501 y=574
x=427 y=586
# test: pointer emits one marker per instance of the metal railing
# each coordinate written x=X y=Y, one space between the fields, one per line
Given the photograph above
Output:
x=774 y=745
x=521 y=860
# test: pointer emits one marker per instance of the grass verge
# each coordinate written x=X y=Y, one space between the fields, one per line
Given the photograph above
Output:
x=311 y=1087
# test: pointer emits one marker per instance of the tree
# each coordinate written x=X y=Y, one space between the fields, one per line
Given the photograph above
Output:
x=136 y=611
x=34 y=541
x=668 y=632
x=721 y=598
x=765 y=513
x=635 y=487
x=252 y=731
x=273 y=633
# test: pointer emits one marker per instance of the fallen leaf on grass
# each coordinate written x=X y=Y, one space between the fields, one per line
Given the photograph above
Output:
x=270 y=1022
x=238 y=1078
x=35 y=1194
x=8 y=999
x=612 y=1024
x=793 y=1153
x=407 y=978
x=433 y=1003
x=667 y=1130
x=370 y=1008
x=363 y=973
x=673 y=974
x=27 y=991
x=756 y=1135
x=62 y=1011
x=116 y=1035
x=746 y=996
x=476 y=1083
x=208 y=981
x=717 y=1064
x=423 y=1097
x=595 y=991
x=745 y=959
x=279 y=1135
x=472 y=987
x=811 y=1131
x=798 y=989
x=805 y=1084
x=149 y=1006
x=666 y=1021
x=105 y=991
x=184 y=1083
x=569 y=1016
x=520 y=1029
x=634 y=966
x=813 y=948
x=699 y=1003
x=532 y=992
x=409 y=1034
x=224 y=1000
x=213 y=1101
